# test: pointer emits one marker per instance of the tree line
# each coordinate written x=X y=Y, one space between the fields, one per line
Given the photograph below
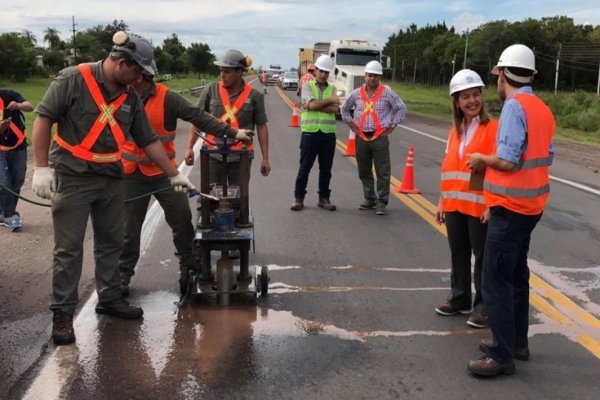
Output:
x=431 y=54
x=20 y=52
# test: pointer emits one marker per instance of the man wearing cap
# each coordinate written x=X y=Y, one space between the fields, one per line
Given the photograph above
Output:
x=320 y=104
x=516 y=188
x=234 y=101
x=308 y=76
x=372 y=112
x=163 y=107
x=94 y=110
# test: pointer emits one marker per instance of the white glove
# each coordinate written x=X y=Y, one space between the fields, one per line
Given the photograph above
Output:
x=245 y=135
x=181 y=183
x=43 y=182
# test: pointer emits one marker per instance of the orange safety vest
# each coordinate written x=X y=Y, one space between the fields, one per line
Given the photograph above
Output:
x=133 y=156
x=106 y=117
x=16 y=130
x=369 y=109
x=455 y=194
x=525 y=189
x=305 y=78
x=230 y=115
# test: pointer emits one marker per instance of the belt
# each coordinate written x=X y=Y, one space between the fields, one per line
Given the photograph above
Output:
x=369 y=134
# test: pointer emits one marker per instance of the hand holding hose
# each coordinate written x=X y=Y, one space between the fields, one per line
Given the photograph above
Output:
x=43 y=182
x=181 y=183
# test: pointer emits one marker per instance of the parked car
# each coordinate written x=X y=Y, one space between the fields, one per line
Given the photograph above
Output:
x=290 y=80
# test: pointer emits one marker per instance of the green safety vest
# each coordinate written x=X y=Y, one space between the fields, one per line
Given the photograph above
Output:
x=314 y=121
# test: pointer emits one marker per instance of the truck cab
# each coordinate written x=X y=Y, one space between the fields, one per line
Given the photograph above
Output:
x=349 y=59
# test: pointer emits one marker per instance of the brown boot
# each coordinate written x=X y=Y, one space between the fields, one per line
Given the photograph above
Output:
x=326 y=204
x=62 y=328
x=487 y=366
x=298 y=204
x=119 y=308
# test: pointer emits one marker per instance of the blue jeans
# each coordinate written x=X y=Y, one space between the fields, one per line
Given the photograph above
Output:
x=505 y=280
x=13 y=165
x=313 y=145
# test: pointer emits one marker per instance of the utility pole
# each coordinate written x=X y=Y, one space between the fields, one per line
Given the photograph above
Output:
x=394 y=70
x=74 y=31
x=466 y=47
x=453 y=63
x=556 y=73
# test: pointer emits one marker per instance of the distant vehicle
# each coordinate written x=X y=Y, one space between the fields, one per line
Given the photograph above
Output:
x=290 y=80
x=273 y=73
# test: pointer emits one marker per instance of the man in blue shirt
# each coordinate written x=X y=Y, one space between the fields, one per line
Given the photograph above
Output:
x=13 y=155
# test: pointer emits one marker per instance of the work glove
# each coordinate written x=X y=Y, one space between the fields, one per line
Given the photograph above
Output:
x=181 y=183
x=43 y=182
x=245 y=135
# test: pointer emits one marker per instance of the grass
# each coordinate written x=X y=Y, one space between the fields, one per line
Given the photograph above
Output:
x=576 y=113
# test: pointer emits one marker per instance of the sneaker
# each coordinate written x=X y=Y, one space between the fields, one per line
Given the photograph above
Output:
x=447 y=309
x=487 y=366
x=119 y=308
x=62 y=328
x=520 y=353
x=478 y=320
x=326 y=204
x=380 y=209
x=367 y=205
x=13 y=223
x=298 y=204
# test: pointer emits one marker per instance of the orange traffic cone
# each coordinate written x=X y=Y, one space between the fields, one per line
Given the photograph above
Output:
x=351 y=145
x=408 y=178
x=294 y=122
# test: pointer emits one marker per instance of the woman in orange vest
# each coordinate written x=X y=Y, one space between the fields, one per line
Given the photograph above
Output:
x=461 y=205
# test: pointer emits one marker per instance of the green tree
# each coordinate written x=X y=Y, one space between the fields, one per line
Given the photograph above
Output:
x=52 y=37
x=17 y=56
x=200 y=57
x=175 y=50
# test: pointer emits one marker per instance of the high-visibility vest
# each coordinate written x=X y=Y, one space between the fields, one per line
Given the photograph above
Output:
x=455 y=194
x=314 y=121
x=525 y=189
x=16 y=130
x=133 y=156
x=230 y=116
x=369 y=109
x=106 y=117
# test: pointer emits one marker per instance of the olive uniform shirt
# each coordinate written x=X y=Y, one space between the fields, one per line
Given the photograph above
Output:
x=251 y=114
x=68 y=102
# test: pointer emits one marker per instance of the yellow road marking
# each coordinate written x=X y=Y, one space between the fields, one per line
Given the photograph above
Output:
x=426 y=210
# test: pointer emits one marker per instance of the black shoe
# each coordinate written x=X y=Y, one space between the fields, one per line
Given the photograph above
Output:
x=367 y=205
x=119 y=308
x=326 y=204
x=520 y=353
x=62 y=328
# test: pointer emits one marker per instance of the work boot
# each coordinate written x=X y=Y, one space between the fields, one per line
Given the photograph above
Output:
x=367 y=205
x=519 y=353
x=380 y=209
x=298 y=204
x=119 y=308
x=487 y=366
x=326 y=204
x=62 y=328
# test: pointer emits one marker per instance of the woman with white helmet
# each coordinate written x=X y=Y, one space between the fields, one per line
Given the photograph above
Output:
x=461 y=204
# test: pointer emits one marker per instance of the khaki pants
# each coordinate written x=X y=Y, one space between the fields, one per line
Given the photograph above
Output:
x=76 y=200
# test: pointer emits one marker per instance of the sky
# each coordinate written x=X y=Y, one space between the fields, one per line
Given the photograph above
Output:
x=272 y=31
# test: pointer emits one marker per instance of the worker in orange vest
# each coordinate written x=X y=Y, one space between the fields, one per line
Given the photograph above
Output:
x=461 y=206
x=309 y=76
x=265 y=80
x=516 y=188
x=92 y=107
x=164 y=107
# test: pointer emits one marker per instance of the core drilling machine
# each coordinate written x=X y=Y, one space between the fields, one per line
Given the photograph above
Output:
x=224 y=224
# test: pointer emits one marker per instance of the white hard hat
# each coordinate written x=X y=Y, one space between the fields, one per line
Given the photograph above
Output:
x=517 y=55
x=324 y=63
x=374 y=67
x=465 y=79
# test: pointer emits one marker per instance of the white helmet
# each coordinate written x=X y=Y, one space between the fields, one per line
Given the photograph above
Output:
x=517 y=55
x=324 y=63
x=374 y=67
x=465 y=79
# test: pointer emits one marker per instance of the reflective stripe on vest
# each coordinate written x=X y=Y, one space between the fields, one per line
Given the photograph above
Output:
x=230 y=116
x=16 y=130
x=314 y=121
x=525 y=189
x=369 y=109
x=455 y=194
x=133 y=156
x=106 y=117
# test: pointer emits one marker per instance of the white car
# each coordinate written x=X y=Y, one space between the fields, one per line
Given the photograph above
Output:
x=290 y=80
